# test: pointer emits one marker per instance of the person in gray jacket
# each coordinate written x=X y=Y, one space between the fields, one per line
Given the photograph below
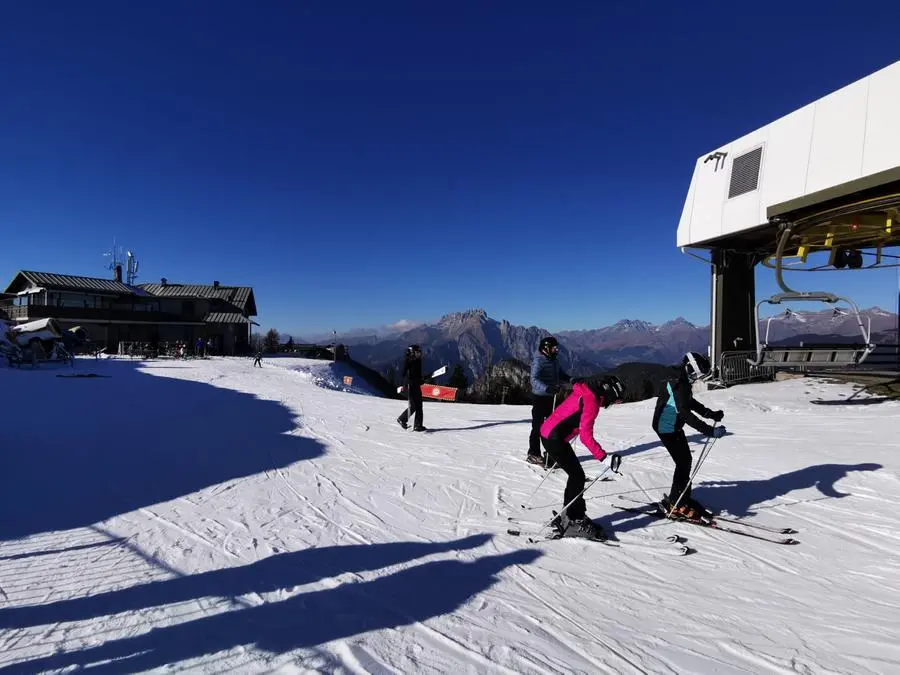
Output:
x=546 y=377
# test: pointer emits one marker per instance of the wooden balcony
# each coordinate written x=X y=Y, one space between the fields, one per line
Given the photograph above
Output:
x=94 y=315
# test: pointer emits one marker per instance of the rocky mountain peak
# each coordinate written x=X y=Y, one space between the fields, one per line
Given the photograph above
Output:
x=632 y=325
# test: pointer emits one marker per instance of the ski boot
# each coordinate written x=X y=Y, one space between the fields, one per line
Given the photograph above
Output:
x=537 y=460
x=581 y=528
x=701 y=511
x=686 y=510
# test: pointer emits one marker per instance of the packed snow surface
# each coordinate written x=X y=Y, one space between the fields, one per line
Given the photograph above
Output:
x=209 y=516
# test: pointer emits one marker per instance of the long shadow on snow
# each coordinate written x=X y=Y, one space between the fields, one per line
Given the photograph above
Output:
x=305 y=620
x=81 y=451
x=738 y=497
x=67 y=549
x=279 y=571
x=479 y=426
x=856 y=401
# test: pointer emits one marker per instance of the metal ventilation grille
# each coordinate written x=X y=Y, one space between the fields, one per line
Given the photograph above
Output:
x=745 y=173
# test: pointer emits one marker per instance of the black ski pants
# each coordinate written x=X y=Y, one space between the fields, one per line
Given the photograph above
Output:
x=541 y=409
x=677 y=445
x=414 y=403
x=561 y=452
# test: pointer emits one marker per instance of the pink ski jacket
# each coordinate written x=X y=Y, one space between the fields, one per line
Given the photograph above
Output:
x=575 y=417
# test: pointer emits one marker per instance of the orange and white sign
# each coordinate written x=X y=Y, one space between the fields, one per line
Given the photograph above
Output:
x=434 y=391
x=348 y=380
x=439 y=392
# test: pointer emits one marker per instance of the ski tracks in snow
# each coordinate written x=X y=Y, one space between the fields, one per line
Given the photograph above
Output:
x=828 y=605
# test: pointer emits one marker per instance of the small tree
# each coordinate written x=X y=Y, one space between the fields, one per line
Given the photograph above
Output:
x=271 y=341
x=458 y=378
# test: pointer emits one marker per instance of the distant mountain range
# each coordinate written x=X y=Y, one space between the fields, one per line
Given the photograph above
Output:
x=474 y=340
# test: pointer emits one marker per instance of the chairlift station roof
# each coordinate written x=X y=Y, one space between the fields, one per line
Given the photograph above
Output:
x=835 y=148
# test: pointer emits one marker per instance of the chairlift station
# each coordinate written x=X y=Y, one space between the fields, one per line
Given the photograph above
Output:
x=821 y=181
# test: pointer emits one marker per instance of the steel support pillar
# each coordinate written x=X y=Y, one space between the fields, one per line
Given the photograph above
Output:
x=733 y=301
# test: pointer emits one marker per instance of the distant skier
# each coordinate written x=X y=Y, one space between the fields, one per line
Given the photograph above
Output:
x=575 y=416
x=676 y=406
x=412 y=372
x=257 y=359
x=545 y=383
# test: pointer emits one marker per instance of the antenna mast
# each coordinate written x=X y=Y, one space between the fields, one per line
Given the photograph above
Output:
x=131 y=262
x=116 y=254
x=131 y=268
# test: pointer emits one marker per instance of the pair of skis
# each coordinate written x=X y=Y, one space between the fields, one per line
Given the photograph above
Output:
x=656 y=510
x=674 y=544
x=541 y=470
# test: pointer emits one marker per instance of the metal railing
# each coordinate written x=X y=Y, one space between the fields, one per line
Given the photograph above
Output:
x=152 y=350
x=735 y=368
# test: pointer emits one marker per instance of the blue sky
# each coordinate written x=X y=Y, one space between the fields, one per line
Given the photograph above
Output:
x=359 y=163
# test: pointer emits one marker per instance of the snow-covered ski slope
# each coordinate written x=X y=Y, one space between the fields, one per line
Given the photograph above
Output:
x=208 y=516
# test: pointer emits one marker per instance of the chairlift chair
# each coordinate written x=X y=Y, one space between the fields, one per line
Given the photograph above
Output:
x=813 y=355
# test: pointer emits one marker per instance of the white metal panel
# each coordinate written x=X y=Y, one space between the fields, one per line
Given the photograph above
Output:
x=683 y=236
x=849 y=134
x=786 y=159
x=836 y=152
x=710 y=188
x=882 y=142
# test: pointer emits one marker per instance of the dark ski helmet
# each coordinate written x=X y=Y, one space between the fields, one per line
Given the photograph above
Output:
x=609 y=389
x=695 y=366
x=547 y=343
x=414 y=349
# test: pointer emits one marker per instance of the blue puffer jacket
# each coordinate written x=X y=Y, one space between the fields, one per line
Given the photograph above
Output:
x=545 y=373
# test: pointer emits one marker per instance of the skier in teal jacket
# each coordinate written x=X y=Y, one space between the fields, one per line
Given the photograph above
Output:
x=675 y=407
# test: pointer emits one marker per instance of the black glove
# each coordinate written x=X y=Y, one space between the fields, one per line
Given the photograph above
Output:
x=717 y=415
x=552 y=390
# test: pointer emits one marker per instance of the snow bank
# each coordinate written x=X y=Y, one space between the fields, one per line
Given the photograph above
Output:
x=329 y=375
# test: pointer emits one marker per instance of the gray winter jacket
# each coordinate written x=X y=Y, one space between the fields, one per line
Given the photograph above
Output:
x=546 y=375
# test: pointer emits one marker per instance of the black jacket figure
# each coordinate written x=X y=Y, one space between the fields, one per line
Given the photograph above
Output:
x=675 y=407
x=412 y=378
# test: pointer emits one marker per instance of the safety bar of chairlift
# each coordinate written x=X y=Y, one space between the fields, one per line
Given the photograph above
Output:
x=815 y=296
x=791 y=295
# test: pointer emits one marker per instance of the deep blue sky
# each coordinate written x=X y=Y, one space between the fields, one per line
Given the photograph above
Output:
x=359 y=163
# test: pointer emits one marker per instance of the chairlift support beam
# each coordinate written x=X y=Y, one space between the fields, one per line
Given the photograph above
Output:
x=816 y=356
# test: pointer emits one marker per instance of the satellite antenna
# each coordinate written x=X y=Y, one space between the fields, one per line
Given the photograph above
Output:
x=118 y=256
x=131 y=268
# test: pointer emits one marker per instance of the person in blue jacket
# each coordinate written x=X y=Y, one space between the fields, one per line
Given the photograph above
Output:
x=675 y=407
x=546 y=378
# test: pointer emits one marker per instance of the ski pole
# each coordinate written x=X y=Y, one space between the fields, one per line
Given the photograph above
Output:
x=704 y=453
x=547 y=456
x=614 y=462
x=546 y=476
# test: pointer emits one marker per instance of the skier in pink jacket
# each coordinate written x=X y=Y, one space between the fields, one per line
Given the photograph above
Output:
x=575 y=417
